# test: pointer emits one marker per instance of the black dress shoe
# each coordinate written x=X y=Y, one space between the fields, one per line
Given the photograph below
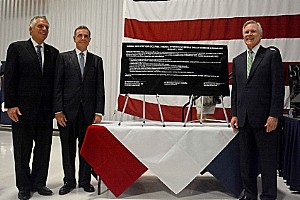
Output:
x=66 y=188
x=88 y=188
x=44 y=191
x=24 y=194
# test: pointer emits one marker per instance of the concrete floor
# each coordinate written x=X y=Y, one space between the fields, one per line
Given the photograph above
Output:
x=146 y=187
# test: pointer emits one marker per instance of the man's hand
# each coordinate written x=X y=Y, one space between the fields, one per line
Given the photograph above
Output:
x=13 y=113
x=234 y=123
x=61 y=119
x=97 y=119
x=271 y=124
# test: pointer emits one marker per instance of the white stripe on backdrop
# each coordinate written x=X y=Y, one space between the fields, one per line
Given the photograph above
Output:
x=207 y=9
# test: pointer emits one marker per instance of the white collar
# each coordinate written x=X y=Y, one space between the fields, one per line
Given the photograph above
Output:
x=254 y=49
x=35 y=43
x=78 y=52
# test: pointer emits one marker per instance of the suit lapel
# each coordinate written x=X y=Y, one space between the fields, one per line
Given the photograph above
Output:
x=244 y=69
x=258 y=58
x=31 y=49
x=88 y=63
x=75 y=63
x=47 y=56
x=241 y=63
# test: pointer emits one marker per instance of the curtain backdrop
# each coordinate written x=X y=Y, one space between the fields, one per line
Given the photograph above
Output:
x=103 y=17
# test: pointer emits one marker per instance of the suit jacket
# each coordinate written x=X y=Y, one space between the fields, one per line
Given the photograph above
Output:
x=25 y=84
x=262 y=94
x=71 y=88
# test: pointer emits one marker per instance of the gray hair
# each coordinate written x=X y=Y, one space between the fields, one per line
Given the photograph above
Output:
x=252 y=22
x=33 y=20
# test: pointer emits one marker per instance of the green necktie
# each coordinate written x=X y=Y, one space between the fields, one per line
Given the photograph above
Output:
x=249 y=62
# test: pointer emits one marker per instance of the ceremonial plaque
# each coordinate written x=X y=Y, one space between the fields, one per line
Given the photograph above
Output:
x=174 y=69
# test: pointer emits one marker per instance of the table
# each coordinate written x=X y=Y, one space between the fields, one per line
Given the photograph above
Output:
x=175 y=154
x=291 y=157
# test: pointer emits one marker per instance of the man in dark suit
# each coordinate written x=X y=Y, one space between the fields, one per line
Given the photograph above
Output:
x=78 y=102
x=256 y=105
x=28 y=88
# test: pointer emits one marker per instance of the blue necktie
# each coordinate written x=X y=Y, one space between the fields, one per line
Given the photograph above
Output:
x=81 y=62
x=39 y=54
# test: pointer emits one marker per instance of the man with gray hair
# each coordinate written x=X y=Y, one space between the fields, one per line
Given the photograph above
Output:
x=257 y=98
x=28 y=92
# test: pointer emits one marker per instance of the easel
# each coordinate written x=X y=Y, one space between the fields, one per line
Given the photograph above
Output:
x=201 y=111
x=144 y=110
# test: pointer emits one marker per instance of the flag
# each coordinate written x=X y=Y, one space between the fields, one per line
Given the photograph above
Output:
x=207 y=22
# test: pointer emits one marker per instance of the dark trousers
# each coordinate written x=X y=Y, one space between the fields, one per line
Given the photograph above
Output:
x=74 y=130
x=258 y=148
x=24 y=133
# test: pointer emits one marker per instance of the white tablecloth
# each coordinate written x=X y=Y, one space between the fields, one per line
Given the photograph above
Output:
x=175 y=154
